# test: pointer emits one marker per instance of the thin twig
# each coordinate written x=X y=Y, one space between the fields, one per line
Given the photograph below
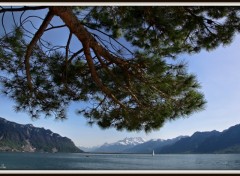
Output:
x=67 y=46
x=3 y=23
x=75 y=54
x=95 y=75
x=13 y=18
x=34 y=40
x=109 y=37
x=22 y=9
x=54 y=27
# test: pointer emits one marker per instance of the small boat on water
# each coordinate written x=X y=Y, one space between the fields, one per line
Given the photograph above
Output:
x=153 y=153
x=3 y=166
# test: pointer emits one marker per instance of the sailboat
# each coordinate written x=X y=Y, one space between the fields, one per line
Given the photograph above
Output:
x=153 y=153
x=2 y=166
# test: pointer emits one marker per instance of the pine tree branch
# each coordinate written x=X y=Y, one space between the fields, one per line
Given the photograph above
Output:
x=66 y=58
x=67 y=46
x=75 y=26
x=74 y=55
x=13 y=18
x=3 y=24
x=109 y=37
x=88 y=41
x=103 y=64
x=114 y=76
x=31 y=45
x=95 y=77
x=55 y=27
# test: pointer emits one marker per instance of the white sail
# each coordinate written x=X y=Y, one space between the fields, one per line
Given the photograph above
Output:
x=153 y=153
x=2 y=166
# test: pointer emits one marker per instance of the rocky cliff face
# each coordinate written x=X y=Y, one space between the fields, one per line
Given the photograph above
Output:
x=27 y=138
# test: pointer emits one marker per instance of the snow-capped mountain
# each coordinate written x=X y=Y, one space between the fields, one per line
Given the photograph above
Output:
x=133 y=145
x=88 y=149
x=130 y=141
x=120 y=145
x=153 y=144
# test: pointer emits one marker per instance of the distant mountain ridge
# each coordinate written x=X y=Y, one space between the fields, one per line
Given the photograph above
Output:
x=27 y=138
x=227 y=141
x=149 y=146
x=120 y=145
x=188 y=144
x=132 y=145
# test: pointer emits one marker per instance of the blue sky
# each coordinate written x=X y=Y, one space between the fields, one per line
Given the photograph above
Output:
x=217 y=71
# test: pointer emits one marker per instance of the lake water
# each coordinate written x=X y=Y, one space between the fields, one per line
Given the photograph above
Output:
x=84 y=161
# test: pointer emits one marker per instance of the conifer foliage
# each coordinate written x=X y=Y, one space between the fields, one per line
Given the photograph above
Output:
x=124 y=65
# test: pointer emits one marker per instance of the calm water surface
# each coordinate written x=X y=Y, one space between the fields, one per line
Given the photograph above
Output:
x=80 y=161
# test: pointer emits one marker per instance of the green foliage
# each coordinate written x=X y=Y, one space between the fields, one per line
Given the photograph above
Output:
x=171 y=30
x=148 y=87
x=164 y=92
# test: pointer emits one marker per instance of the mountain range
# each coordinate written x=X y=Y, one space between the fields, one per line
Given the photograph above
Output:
x=27 y=138
x=131 y=145
x=227 y=141
x=120 y=146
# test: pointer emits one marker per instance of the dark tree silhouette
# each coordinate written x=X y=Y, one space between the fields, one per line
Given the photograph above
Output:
x=124 y=66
